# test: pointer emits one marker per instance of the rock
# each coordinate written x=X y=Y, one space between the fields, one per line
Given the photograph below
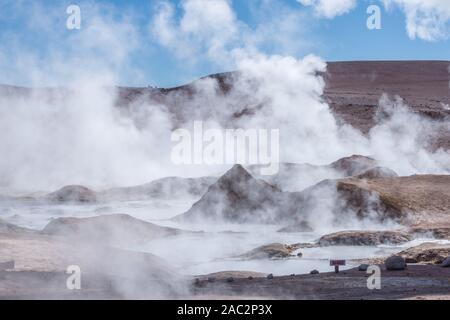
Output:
x=250 y=278
x=230 y=279
x=446 y=263
x=270 y=251
x=364 y=238
x=73 y=194
x=211 y=279
x=314 y=272
x=270 y=276
x=363 y=267
x=299 y=254
x=395 y=263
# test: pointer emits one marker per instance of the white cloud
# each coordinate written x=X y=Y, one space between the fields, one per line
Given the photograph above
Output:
x=210 y=30
x=330 y=8
x=427 y=20
x=97 y=47
x=210 y=25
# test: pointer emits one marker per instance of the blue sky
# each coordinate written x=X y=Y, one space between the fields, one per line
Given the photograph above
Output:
x=33 y=36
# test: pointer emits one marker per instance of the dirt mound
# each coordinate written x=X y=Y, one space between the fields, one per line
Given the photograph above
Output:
x=73 y=194
x=238 y=197
x=377 y=172
x=270 y=251
x=407 y=199
x=364 y=238
x=354 y=165
x=437 y=232
x=414 y=201
x=426 y=253
x=118 y=229
x=162 y=188
x=231 y=274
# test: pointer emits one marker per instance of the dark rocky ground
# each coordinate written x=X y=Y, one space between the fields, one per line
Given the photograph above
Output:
x=417 y=281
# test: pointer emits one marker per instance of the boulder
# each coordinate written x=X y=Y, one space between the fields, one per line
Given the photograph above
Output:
x=363 y=267
x=446 y=262
x=314 y=272
x=395 y=263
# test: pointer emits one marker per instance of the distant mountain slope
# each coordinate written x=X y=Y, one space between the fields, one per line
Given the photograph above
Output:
x=352 y=90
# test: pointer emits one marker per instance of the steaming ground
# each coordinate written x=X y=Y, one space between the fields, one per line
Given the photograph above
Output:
x=122 y=256
x=87 y=135
x=215 y=249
